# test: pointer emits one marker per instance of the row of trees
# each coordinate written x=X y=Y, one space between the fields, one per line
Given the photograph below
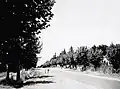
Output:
x=87 y=57
x=21 y=22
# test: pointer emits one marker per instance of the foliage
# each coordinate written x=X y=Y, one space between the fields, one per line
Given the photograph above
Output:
x=82 y=56
x=91 y=57
x=21 y=21
x=95 y=57
x=113 y=54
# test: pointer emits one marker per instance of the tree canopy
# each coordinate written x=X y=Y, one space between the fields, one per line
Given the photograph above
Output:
x=20 y=22
x=22 y=17
x=90 y=57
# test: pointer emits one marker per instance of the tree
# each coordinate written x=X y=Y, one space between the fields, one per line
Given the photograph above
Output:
x=22 y=20
x=113 y=54
x=64 y=52
x=82 y=57
x=46 y=64
x=53 y=60
x=29 y=53
x=71 y=58
x=103 y=48
x=95 y=56
x=61 y=59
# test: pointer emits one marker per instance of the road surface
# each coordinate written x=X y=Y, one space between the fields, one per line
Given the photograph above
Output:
x=95 y=82
x=63 y=79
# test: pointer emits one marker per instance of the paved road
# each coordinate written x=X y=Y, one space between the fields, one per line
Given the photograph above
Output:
x=98 y=83
x=63 y=79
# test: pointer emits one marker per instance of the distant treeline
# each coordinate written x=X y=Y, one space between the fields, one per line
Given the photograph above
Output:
x=96 y=57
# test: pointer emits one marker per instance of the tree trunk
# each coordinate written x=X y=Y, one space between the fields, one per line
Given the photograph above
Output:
x=18 y=75
x=18 y=72
x=7 y=77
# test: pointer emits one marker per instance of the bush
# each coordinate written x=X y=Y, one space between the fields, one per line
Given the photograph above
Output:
x=32 y=73
x=106 y=69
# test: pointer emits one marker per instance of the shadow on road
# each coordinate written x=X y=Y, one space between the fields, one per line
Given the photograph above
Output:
x=36 y=82
x=28 y=82
x=44 y=76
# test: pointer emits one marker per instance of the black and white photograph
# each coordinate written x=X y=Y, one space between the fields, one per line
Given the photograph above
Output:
x=59 y=44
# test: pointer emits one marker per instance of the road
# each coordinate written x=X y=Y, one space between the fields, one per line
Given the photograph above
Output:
x=63 y=79
x=95 y=82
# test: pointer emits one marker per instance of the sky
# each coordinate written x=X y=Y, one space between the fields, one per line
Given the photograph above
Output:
x=81 y=23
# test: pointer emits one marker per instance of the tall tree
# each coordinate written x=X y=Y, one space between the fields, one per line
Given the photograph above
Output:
x=71 y=59
x=53 y=60
x=21 y=21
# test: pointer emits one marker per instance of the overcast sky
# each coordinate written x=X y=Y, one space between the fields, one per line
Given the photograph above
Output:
x=81 y=22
